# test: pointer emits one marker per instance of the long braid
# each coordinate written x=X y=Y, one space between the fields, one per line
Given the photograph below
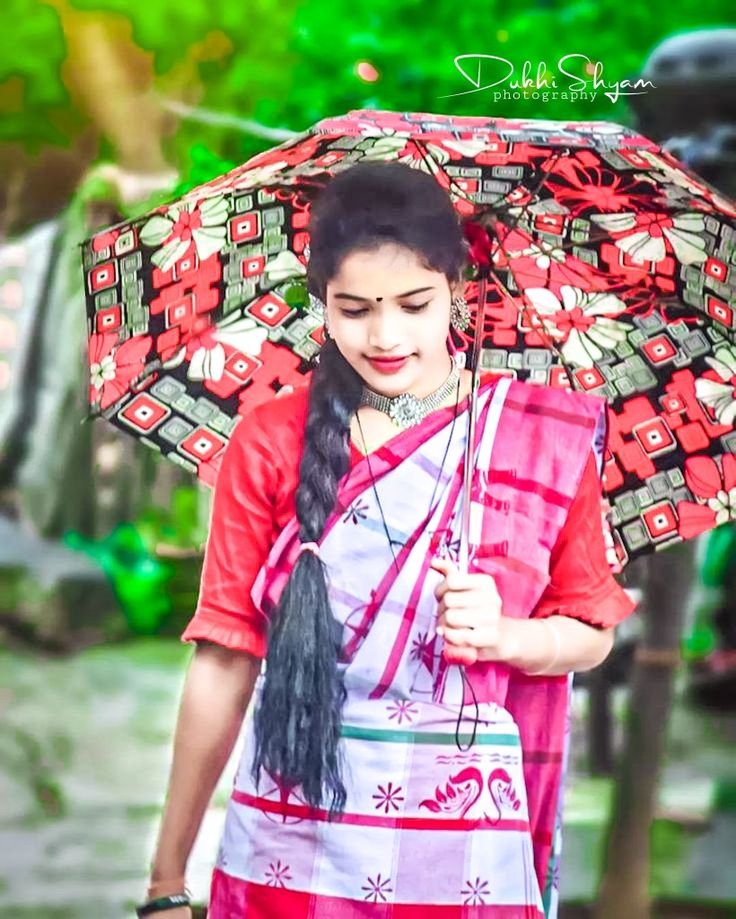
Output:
x=297 y=724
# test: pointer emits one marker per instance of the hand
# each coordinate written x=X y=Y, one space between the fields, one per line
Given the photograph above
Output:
x=469 y=615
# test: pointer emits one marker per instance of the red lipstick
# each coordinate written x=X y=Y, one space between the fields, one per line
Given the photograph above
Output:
x=386 y=365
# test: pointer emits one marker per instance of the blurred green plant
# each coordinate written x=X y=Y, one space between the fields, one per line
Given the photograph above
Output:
x=138 y=578
x=715 y=577
x=146 y=586
x=290 y=64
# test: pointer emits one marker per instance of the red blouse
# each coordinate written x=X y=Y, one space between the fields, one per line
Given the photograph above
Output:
x=254 y=500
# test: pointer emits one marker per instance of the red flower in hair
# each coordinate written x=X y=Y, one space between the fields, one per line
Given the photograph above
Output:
x=480 y=244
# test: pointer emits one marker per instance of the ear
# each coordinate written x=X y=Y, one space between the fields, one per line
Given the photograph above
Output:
x=457 y=287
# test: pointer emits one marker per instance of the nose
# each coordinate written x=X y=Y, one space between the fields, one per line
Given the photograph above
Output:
x=384 y=333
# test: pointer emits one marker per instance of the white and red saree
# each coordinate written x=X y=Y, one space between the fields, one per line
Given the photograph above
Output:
x=429 y=829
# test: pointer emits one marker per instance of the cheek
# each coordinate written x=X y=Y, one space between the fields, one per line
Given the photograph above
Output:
x=349 y=334
x=433 y=330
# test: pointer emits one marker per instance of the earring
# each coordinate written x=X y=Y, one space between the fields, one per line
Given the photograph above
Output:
x=459 y=314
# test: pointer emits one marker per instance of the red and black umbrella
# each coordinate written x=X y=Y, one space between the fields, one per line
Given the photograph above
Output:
x=607 y=266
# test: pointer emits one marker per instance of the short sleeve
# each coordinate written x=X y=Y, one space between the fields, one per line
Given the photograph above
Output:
x=582 y=585
x=240 y=537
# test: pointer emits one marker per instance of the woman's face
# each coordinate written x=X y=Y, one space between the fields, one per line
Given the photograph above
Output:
x=390 y=317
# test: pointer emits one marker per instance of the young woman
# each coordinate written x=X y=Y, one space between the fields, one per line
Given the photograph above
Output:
x=405 y=753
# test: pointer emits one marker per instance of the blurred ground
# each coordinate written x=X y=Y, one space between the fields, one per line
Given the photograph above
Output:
x=84 y=757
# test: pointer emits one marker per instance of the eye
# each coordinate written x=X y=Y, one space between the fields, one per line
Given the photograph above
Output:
x=351 y=313
x=416 y=308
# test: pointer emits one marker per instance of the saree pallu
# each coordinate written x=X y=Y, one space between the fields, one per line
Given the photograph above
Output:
x=429 y=828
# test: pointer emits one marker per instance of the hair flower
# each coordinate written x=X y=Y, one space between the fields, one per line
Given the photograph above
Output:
x=479 y=241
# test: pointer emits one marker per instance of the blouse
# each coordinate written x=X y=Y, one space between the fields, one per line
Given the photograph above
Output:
x=254 y=500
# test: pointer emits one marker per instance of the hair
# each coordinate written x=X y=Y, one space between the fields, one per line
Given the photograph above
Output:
x=299 y=717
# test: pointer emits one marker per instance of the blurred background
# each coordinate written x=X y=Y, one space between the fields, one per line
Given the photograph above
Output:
x=109 y=108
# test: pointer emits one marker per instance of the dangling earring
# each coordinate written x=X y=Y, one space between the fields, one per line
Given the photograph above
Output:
x=459 y=314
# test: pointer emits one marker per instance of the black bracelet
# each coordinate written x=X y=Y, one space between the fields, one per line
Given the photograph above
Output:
x=162 y=903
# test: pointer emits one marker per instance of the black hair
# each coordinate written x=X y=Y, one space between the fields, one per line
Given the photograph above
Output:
x=298 y=720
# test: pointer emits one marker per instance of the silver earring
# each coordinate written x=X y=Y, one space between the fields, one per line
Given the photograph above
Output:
x=459 y=314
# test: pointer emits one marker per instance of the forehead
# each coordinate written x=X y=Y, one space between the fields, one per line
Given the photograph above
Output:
x=389 y=264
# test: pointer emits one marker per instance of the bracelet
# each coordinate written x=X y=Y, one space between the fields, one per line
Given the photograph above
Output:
x=162 y=903
x=558 y=648
x=162 y=888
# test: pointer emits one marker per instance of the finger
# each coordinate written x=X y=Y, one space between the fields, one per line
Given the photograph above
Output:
x=454 y=580
x=464 y=636
x=453 y=576
x=465 y=656
x=460 y=617
x=470 y=599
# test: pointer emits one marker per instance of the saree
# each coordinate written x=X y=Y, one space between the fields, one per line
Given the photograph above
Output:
x=438 y=822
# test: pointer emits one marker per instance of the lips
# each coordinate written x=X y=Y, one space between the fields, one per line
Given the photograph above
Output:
x=386 y=365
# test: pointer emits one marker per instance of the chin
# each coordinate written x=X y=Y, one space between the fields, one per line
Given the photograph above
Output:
x=389 y=384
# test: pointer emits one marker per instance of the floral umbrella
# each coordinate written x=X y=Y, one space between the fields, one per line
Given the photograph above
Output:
x=610 y=268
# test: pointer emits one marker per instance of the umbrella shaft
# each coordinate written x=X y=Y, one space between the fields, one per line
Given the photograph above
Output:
x=469 y=464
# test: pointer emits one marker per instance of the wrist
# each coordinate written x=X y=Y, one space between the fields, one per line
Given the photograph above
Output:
x=166 y=887
x=531 y=645
x=509 y=645
x=549 y=649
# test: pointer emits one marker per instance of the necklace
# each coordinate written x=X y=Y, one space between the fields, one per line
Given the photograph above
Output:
x=406 y=409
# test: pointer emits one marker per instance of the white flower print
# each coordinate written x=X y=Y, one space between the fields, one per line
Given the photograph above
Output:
x=244 y=335
x=543 y=255
x=187 y=223
x=720 y=397
x=724 y=505
x=685 y=235
x=582 y=321
x=283 y=267
x=102 y=372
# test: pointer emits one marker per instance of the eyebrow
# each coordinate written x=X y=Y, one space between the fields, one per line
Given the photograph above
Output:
x=344 y=296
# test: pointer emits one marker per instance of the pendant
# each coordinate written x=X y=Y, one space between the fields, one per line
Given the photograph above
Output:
x=406 y=410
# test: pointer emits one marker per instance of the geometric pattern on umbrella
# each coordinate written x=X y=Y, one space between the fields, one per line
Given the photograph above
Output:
x=613 y=271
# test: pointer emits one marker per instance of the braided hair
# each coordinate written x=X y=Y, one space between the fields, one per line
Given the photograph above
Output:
x=298 y=720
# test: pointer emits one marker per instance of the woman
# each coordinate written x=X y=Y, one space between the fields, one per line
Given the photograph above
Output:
x=405 y=753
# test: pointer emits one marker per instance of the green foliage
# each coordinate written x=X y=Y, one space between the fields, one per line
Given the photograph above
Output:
x=289 y=64
x=34 y=102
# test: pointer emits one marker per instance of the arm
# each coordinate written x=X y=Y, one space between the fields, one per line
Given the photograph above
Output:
x=529 y=645
x=230 y=636
x=572 y=626
x=217 y=690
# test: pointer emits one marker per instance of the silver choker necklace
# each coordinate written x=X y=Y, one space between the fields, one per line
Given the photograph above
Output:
x=406 y=410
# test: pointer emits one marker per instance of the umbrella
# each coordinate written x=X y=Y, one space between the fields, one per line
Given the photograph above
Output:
x=607 y=266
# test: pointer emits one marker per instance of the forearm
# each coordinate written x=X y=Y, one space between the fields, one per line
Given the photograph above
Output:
x=217 y=689
x=531 y=647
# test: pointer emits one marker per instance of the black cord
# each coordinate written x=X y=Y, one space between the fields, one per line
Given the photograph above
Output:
x=476 y=718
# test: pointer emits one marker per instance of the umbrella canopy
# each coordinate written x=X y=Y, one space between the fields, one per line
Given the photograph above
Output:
x=609 y=267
